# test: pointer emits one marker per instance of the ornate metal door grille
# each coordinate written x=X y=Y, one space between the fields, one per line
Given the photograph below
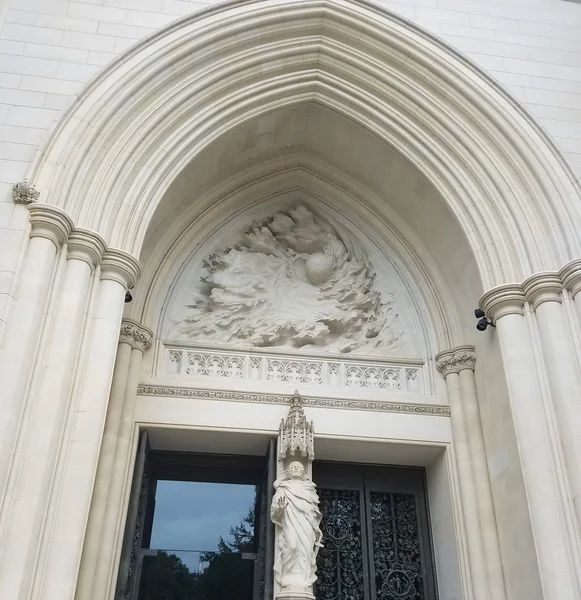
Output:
x=375 y=534
x=396 y=547
x=340 y=561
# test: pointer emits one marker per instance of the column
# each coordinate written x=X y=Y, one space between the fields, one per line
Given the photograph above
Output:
x=448 y=363
x=544 y=294
x=99 y=548
x=554 y=546
x=40 y=442
x=50 y=227
x=488 y=529
x=62 y=544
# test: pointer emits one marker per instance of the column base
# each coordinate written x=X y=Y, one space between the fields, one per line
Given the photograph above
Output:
x=295 y=592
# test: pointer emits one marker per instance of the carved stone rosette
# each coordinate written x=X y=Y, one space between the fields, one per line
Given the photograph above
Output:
x=24 y=192
x=456 y=360
x=296 y=434
x=135 y=335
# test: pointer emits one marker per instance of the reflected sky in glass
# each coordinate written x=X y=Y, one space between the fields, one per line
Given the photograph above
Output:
x=192 y=515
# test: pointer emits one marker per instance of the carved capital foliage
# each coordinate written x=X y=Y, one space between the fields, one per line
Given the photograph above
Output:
x=503 y=300
x=24 y=192
x=456 y=360
x=135 y=335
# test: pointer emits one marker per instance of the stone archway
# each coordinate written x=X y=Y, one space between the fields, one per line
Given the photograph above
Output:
x=107 y=176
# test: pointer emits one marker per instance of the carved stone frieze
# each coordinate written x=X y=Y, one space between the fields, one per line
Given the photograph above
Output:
x=335 y=373
x=456 y=360
x=24 y=192
x=395 y=407
x=135 y=335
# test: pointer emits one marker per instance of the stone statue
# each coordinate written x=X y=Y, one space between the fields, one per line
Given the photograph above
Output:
x=295 y=511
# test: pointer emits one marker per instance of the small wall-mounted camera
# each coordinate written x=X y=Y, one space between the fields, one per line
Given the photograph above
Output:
x=483 y=321
x=128 y=296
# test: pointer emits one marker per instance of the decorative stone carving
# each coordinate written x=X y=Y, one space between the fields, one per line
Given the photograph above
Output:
x=295 y=512
x=135 y=335
x=433 y=410
x=456 y=360
x=296 y=434
x=24 y=192
x=384 y=375
x=295 y=507
x=290 y=281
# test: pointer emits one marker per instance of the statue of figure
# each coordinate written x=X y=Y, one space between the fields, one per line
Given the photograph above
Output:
x=295 y=510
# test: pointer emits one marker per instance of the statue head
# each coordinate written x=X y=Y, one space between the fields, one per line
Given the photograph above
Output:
x=296 y=470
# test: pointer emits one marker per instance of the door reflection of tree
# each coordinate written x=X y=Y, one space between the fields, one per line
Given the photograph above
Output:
x=221 y=575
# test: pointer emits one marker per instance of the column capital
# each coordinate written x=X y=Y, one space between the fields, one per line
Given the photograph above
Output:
x=571 y=276
x=50 y=222
x=121 y=267
x=24 y=192
x=136 y=335
x=456 y=360
x=543 y=287
x=503 y=300
x=87 y=246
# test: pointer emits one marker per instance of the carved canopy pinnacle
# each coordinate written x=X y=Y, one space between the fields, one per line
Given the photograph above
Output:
x=24 y=192
x=135 y=335
x=296 y=433
x=456 y=360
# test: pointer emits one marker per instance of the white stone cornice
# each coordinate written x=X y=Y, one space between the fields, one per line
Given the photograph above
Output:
x=136 y=335
x=456 y=360
x=503 y=300
x=543 y=287
x=571 y=276
x=86 y=245
x=120 y=266
x=24 y=192
x=50 y=222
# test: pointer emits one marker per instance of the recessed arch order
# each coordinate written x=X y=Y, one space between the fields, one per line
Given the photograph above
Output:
x=136 y=126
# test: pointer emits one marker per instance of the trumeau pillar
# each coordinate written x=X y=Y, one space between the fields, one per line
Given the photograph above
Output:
x=69 y=508
x=50 y=227
x=295 y=556
x=449 y=363
x=47 y=413
x=99 y=550
x=555 y=543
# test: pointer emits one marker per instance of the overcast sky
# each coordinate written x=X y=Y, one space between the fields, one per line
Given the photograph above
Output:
x=193 y=515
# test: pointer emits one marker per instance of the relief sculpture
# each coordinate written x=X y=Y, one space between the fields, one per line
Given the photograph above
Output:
x=291 y=282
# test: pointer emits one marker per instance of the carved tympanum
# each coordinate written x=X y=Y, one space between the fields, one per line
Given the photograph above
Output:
x=290 y=281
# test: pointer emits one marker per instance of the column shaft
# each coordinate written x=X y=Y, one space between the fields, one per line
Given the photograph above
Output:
x=467 y=489
x=44 y=431
x=21 y=339
x=63 y=540
x=488 y=528
x=127 y=368
x=538 y=462
x=564 y=382
x=108 y=555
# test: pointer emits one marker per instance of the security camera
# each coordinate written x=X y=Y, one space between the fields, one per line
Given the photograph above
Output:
x=128 y=296
x=483 y=321
x=482 y=324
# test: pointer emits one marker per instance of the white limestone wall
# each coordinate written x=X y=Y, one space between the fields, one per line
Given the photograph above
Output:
x=49 y=49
